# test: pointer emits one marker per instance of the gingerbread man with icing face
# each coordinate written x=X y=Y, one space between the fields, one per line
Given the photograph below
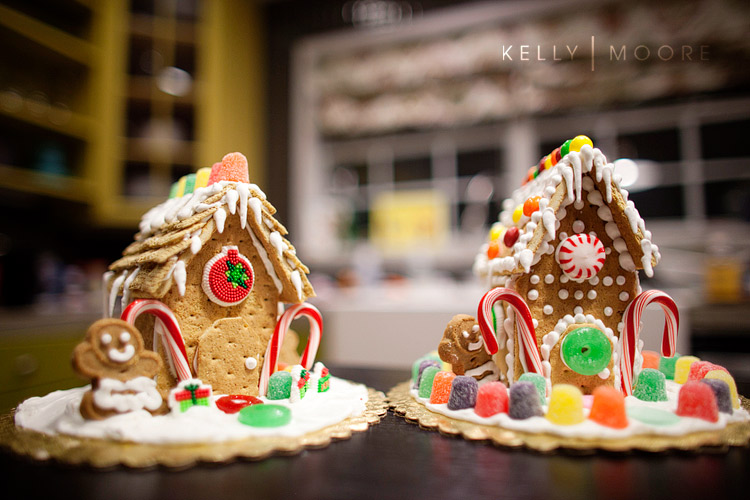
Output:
x=121 y=371
x=463 y=347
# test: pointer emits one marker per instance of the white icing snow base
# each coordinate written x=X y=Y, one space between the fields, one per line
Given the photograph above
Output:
x=589 y=428
x=57 y=413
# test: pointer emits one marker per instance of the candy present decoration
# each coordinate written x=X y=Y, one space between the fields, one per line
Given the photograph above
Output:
x=221 y=270
x=561 y=265
x=189 y=393
x=300 y=383
x=323 y=376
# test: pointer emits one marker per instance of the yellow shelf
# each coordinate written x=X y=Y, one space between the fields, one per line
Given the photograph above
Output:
x=53 y=39
x=57 y=186
x=63 y=122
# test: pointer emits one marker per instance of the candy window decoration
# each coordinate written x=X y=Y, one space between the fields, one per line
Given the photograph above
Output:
x=581 y=256
x=586 y=350
x=228 y=277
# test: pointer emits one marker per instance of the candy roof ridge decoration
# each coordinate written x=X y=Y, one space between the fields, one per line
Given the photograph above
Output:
x=557 y=187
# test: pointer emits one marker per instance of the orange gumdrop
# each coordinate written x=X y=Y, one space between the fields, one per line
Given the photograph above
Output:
x=608 y=408
x=233 y=167
x=651 y=359
x=531 y=205
x=441 y=387
x=493 y=250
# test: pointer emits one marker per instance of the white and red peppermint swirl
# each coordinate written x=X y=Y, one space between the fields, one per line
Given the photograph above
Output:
x=581 y=256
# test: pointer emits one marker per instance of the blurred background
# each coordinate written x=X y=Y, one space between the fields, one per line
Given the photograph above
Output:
x=386 y=132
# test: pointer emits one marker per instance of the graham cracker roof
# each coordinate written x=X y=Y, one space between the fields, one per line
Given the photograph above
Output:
x=557 y=188
x=172 y=233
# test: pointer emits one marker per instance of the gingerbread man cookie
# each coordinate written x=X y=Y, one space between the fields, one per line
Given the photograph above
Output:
x=121 y=371
x=462 y=346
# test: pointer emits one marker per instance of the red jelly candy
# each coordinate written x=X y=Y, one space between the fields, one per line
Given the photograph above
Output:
x=492 y=398
x=441 y=387
x=510 y=237
x=697 y=400
x=608 y=408
x=699 y=369
x=236 y=402
x=233 y=167
x=651 y=359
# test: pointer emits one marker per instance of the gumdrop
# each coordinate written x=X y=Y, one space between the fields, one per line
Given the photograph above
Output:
x=233 y=167
x=201 y=177
x=722 y=393
x=651 y=385
x=279 y=385
x=441 y=387
x=699 y=369
x=415 y=366
x=650 y=359
x=425 y=381
x=697 y=400
x=492 y=398
x=565 y=405
x=726 y=377
x=539 y=382
x=682 y=368
x=463 y=393
x=523 y=401
x=608 y=408
x=424 y=365
x=667 y=365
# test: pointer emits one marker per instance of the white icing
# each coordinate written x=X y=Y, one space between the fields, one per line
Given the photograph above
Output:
x=533 y=294
x=620 y=280
x=117 y=356
x=562 y=293
x=251 y=363
x=549 y=279
x=135 y=394
x=608 y=311
x=591 y=295
x=179 y=274
x=548 y=309
x=57 y=413
x=607 y=281
x=578 y=294
x=195 y=244
x=624 y=296
x=534 y=279
x=579 y=226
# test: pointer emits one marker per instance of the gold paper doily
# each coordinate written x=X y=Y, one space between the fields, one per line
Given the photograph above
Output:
x=401 y=401
x=104 y=454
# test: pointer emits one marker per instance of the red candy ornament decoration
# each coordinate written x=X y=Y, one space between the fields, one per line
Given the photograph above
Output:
x=228 y=277
x=235 y=402
x=233 y=167
x=581 y=256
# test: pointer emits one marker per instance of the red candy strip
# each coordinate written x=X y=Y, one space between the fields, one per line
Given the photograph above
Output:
x=167 y=326
x=274 y=347
x=525 y=325
x=633 y=314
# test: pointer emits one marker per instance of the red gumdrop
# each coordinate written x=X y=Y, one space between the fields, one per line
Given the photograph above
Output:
x=699 y=369
x=492 y=398
x=233 y=167
x=441 y=387
x=697 y=400
x=510 y=237
x=651 y=359
x=608 y=408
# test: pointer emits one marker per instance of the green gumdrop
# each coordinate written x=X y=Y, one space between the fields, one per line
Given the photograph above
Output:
x=565 y=148
x=189 y=184
x=415 y=365
x=650 y=385
x=539 y=383
x=586 y=350
x=666 y=366
x=425 y=383
x=279 y=386
x=265 y=415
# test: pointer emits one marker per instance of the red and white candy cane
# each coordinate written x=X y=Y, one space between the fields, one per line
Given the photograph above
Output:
x=633 y=314
x=525 y=325
x=165 y=326
x=274 y=347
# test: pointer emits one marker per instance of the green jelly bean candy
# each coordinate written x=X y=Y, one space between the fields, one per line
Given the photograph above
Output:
x=279 y=386
x=586 y=350
x=666 y=366
x=539 y=383
x=425 y=383
x=652 y=416
x=266 y=415
x=565 y=148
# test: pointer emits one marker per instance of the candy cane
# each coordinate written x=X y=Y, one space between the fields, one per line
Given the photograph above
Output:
x=166 y=326
x=525 y=325
x=633 y=314
x=274 y=347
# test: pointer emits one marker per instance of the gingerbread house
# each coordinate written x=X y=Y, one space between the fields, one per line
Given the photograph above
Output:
x=562 y=264
x=218 y=264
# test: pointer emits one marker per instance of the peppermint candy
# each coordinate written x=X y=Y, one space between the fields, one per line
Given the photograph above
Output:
x=580 y=256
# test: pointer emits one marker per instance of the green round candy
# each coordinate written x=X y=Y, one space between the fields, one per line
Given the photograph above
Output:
x=586 y=350
x=565 y=148
x=652 y=416
x=266 y=415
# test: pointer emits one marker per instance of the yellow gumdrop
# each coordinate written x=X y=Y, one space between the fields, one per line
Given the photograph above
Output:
x=722 y=375
x=180 y=190
x=682 y=368
x=517 y=213
x=577 y=143
x=565 y=405
x=201 y=177
x=496 y=231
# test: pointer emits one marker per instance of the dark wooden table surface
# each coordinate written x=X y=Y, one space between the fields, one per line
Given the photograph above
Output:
x=398 y=460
